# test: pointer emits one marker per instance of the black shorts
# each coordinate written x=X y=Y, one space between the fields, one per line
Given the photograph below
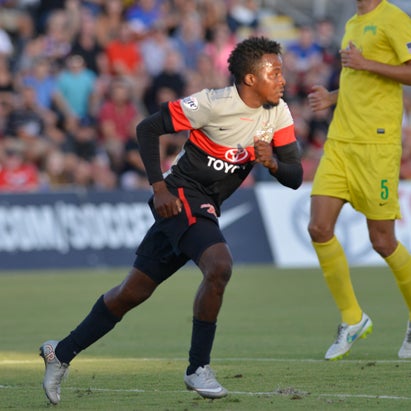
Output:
x=171 y=242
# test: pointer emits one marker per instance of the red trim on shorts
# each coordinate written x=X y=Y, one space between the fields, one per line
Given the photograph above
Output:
x=191 y=219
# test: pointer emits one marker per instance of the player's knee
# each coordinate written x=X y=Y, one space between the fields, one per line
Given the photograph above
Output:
x=383 y=247
x=320 y=233
x=218 y=273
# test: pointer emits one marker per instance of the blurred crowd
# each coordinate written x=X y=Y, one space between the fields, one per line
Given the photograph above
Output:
x=77 y=76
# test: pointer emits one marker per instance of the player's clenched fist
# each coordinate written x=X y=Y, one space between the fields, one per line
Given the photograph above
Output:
x=264 y=154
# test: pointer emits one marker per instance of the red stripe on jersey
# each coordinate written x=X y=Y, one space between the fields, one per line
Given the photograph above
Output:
x=229 y=154
x=284 y=136
x=180 y=121
x=191 y=219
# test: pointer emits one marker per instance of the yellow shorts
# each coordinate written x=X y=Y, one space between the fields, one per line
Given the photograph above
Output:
x=365 y=175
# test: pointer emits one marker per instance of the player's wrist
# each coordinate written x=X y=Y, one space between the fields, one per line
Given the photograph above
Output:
x=273 y=166
x=159 y=186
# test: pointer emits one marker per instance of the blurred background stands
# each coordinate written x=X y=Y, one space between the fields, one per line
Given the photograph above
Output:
x=132 y=55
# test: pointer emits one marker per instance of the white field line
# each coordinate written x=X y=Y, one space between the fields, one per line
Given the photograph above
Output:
x=246 y=393
x=303 y=360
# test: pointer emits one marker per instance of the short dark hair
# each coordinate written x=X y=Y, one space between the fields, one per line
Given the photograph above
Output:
x=247 y=54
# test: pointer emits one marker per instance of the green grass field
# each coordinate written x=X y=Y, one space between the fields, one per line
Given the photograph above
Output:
x=273 y=330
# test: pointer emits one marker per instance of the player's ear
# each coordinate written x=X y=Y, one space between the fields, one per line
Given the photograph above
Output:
x=249 y=79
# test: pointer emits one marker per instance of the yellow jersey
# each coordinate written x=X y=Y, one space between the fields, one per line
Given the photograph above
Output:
x=369 y=107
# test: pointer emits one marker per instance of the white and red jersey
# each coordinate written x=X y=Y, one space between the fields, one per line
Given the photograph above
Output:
x=219 y=153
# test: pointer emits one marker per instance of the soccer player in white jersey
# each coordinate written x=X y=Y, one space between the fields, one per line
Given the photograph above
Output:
x=230 y=130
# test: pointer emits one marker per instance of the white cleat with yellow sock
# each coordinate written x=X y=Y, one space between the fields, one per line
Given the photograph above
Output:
x=346 y=337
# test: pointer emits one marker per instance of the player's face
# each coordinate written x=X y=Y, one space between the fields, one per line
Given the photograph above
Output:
x=270 y=81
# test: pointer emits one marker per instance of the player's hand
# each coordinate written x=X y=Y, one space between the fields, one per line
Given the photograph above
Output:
x=264 y=154
x=319 y=98
x=352 y=57
x=166 y=204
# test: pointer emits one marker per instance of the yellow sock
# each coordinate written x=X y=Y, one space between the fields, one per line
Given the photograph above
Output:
x=334 y=265
x=400 y=263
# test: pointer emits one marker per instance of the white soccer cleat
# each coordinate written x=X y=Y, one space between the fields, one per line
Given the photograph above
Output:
x=405 y=350
x=346 y=337
x=55 y=371
x=203 y=381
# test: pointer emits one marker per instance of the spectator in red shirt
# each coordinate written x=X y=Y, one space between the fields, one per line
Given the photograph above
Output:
x=123 y=53
x=118 y=118
x=16 y=174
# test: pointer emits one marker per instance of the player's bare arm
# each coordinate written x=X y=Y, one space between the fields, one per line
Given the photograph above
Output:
x=320 y=98
x=351 y=57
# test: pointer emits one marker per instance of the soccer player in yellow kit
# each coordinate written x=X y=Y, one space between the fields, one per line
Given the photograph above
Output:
x=361 y=159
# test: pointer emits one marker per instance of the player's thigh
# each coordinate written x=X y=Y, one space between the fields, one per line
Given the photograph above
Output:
x=204 y=243
x=373 y=176
x=156 y=255
x=324 y=212
x=330 y=179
